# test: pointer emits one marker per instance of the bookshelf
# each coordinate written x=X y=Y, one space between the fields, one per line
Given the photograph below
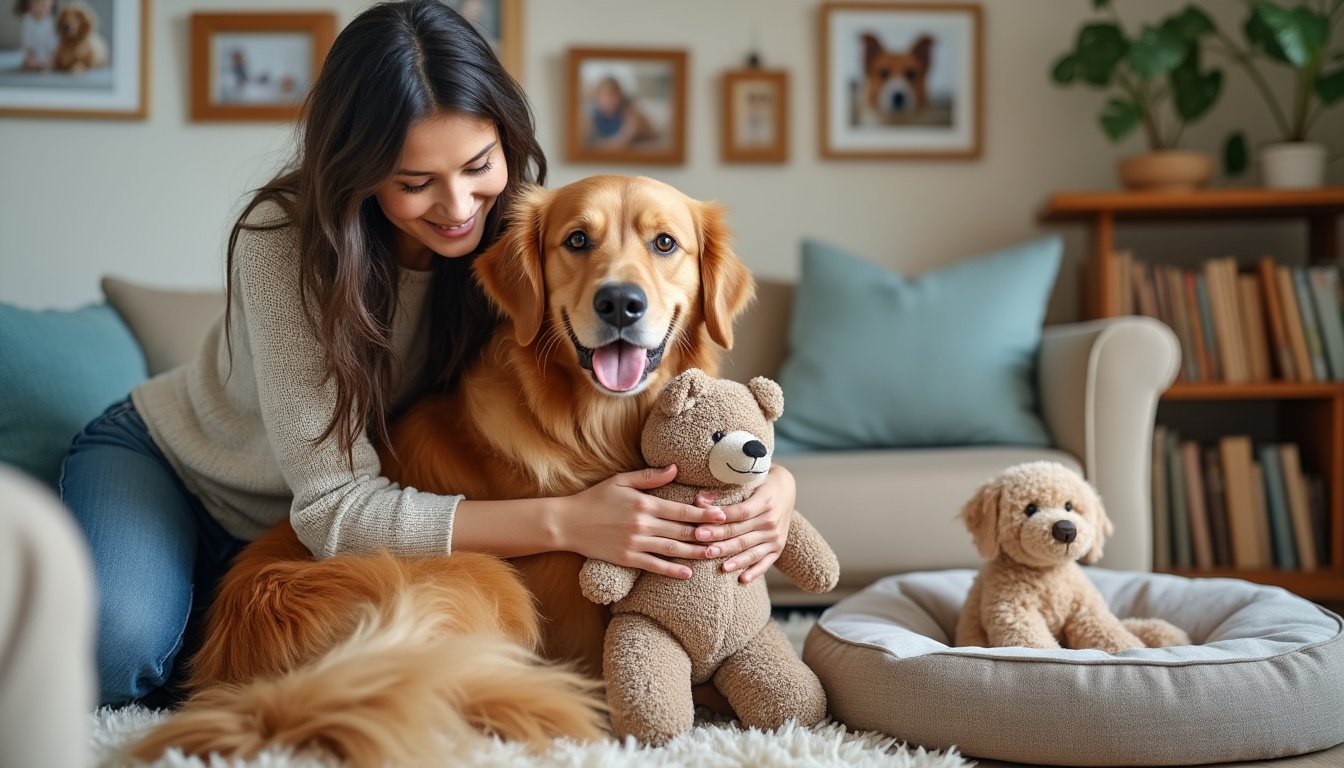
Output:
x=1309 y=414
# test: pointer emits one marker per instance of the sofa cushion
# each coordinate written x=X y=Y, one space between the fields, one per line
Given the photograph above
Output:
x=169 y=324
x=58 y=370
x=948 y=358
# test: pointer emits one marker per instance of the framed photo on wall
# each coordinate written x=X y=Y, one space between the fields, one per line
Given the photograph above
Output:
x=755 y=115
x=84 y=58
x=626 y=106
x=500 y=22
x=256 y=66
x=900 y=80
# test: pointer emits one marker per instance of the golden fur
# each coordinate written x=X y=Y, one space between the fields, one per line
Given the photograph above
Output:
x=1032 y=523
x=295 y=638
x=80 y=46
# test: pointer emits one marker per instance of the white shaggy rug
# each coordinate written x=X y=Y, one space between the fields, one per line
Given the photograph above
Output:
x=711 y=744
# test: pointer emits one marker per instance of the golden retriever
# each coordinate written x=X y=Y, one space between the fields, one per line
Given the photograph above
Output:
x=80 y=46
x=608 y=287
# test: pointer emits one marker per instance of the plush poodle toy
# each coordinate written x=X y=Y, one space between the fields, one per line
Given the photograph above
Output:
x=1032 y=523
x=667 y=634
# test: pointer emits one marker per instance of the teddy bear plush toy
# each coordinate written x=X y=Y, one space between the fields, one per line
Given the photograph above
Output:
x=667 y=634
x=1033 y=523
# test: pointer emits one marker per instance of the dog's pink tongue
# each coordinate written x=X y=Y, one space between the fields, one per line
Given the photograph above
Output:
x=619 y=366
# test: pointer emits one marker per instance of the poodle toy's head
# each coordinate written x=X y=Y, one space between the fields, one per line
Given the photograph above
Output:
x=719 y=433
x=1040 y=514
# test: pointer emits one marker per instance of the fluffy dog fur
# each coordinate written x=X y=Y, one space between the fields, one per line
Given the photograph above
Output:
x=1032 y=523
x=80 y=45
x=377 y=657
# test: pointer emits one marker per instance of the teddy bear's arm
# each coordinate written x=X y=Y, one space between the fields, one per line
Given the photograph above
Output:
x=807 y=559
x=604 y=583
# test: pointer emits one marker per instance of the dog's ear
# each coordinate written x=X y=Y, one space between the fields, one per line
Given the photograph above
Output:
x=923 y=50
x=872 y=48
x=1103 y=523
x=511 y=271
x=768 y=395
x=726 y=283
x=981 y=516
x=681 y=393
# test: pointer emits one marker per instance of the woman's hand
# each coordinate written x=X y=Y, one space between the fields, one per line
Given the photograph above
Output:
x=617 y=522
x=755 y=530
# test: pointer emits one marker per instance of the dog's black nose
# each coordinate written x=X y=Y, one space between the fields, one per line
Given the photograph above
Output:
x=754 y=448
x=898 y=101
x=1064 y=531
x=620 y=304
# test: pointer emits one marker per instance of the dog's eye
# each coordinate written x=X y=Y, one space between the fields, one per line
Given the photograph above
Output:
x=911 y=74
x=577 y=240
x=1032 y=509
x=664 y=243
x=883 y=73
x=718 y=436
x=1068 y=506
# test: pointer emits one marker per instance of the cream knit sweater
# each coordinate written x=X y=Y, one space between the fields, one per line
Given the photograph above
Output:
x=241 y=436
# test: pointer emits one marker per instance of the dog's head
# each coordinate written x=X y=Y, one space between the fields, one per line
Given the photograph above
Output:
x=76 y=21
x=895 y=82
x=1040 y=514
x=622 y=271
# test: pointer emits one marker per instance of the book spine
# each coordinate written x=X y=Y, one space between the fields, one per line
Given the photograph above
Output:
x=1324 y=286
x=1310 y=328
x=1292 y=319
x=1215 y=495
x=1278 y=333
x=1201 y=538
x=1181 y=553
x=1161 y=513
x=1280 y=525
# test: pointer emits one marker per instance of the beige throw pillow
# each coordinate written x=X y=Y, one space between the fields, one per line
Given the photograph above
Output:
x=168 y=324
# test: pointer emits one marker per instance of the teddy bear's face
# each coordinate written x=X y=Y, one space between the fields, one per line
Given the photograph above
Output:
x=1039 y=514
x=718 y=432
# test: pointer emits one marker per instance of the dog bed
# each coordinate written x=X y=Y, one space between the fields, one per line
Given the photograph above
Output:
x=1264 y=679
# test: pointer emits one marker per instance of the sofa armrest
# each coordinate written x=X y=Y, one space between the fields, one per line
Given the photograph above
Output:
x=1099 y=383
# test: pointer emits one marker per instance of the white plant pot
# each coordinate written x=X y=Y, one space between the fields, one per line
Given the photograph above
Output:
x=1293 y=165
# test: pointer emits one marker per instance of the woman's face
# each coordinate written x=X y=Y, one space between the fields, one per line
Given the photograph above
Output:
x=451 y=171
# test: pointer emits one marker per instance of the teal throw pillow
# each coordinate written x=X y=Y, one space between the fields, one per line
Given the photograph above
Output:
x=58 y=370
x=947 y=358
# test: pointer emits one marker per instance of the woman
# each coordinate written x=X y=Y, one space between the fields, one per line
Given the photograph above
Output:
x=349 y=292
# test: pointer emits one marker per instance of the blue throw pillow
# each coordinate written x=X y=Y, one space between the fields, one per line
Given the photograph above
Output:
x=947 y=358
x=58 y=370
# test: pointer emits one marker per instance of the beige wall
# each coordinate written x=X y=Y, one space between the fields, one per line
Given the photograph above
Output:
x=152 y=200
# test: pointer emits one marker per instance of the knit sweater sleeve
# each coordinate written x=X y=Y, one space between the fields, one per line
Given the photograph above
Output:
x=339 y=506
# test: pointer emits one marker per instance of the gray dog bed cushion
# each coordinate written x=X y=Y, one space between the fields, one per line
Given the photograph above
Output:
x=1264 y=677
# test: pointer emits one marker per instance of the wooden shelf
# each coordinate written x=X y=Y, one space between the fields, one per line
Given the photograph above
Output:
x=1313 y=585
x=1188 y=206
x=1262 y=390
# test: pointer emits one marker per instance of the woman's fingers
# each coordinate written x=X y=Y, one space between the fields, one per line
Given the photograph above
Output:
x=647 y=562
x=759 y=567
x=672 y=548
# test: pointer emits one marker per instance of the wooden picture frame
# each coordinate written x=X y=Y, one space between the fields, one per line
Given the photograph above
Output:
x=626 y=105
x=500 y=22
x=901 y=80
x=754 y=120
x=102 y=74
x=256 y=66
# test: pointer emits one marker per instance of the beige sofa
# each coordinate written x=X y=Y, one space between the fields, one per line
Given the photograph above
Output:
x=888 y=511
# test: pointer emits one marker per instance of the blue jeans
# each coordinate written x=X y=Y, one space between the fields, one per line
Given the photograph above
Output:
x=157 y=553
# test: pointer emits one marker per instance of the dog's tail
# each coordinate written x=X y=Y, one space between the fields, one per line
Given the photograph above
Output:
x=399 y=691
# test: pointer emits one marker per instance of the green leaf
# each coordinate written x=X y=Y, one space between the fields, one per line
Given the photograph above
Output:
x=1297 y=37
x=1155 y=53
x=1330 y=87
x=1189 y=25
x=1097 y=5
x=1100 y=47
x=1195 y=93
x=1235 y=155
x=1065 y=70
x=1119 y=117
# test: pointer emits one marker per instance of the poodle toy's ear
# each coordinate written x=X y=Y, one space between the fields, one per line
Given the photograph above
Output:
x=768 y=395
x=981 y=515
x=727 y=286
x=511 y=271
x=1103 y=523
x=681 y=393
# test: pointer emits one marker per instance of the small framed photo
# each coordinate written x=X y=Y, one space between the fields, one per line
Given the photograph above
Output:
x=501 y=23
x=626 y=106
x=256 y=66
x=75 y=58
x=755 y=127
x=901 y=80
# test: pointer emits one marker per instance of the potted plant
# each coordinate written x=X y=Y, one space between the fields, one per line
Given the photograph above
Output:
x=1299 y=38
x=1159 y=86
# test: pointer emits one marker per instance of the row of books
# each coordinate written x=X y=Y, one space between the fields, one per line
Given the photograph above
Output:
x=1236 y=505
x=1275 y=322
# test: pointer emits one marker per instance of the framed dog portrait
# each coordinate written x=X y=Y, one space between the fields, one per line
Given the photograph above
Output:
x=501 y=23
x=255 y=66
x=900 y=80
x=626 y=106
x=75 y=58
x=755 y=116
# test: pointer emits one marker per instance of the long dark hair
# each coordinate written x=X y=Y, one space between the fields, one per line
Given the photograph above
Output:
x=393 y=65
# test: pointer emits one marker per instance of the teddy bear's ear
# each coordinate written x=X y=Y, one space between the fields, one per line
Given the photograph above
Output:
x=768 y=395
x=681 y=392
x=1104 y=526
x=981 y=516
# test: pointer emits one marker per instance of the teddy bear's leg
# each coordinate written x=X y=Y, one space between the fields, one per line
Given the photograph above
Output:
x=1094 y=626
x=768 y=684
x=648 y=678
x=1157 y=633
